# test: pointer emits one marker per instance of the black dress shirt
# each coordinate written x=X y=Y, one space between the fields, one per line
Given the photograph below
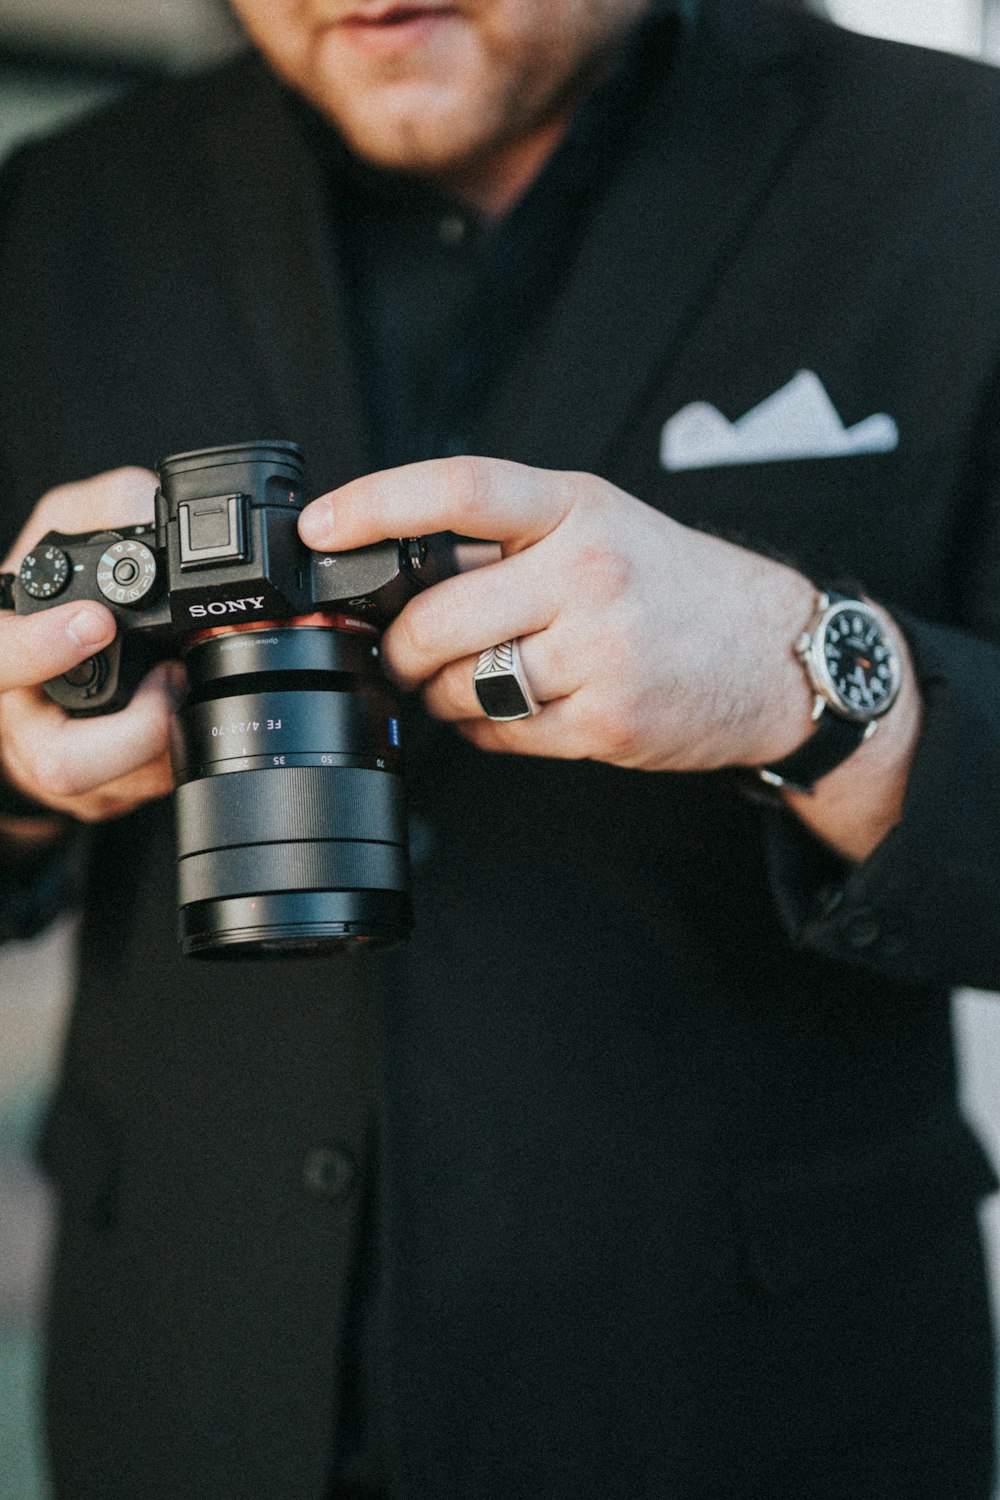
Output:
x=439 y=299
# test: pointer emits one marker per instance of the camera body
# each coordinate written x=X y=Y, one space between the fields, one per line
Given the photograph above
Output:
x=290 y=812
x=224 y=550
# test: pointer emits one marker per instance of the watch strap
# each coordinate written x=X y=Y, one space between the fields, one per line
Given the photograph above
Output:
x=834 y=739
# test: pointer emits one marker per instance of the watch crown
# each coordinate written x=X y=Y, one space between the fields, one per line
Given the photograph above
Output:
x=803 y=644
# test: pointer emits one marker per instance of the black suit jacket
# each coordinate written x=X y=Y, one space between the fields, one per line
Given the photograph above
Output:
x=676 y=1201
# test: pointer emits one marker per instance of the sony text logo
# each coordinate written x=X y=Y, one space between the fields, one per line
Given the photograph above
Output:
x=225 y=607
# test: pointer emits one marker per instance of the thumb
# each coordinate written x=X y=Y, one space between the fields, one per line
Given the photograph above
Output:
x=34 y=648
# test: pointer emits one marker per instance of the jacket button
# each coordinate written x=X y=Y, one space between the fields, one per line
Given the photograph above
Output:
x=328 y=1172
x=861 y=930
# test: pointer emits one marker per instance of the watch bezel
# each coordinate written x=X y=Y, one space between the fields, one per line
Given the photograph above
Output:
x=812 y=649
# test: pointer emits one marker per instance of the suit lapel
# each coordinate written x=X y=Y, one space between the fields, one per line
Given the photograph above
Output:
x=267 y=200
x=720 y=134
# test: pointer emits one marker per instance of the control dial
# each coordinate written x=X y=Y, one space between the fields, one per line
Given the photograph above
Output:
x=126 y=572
x=44 y=572
x=89 y=676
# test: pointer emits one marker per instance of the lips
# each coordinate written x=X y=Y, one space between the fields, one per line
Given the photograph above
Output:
x=397 y=13
x=393 y=30
x=392 y=15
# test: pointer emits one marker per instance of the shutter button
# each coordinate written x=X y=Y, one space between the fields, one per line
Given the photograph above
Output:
x=328 y=1172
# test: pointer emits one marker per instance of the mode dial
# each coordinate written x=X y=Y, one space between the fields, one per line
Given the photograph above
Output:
x=44 y=572
x=126 y=572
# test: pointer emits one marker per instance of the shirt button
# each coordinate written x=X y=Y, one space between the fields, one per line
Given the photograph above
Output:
x=328 y=1172
x=861 y=929
x=829 y=899
x=452 y=229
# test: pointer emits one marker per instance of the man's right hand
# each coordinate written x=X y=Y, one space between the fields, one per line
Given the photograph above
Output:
x=90 y=769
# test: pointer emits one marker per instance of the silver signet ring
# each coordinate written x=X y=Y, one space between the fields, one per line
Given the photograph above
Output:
x=501 y=686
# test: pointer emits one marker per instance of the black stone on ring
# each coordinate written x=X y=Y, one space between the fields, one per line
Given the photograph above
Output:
x=501 y=686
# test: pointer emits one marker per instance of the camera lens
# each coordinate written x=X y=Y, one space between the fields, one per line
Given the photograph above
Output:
x=290 y=811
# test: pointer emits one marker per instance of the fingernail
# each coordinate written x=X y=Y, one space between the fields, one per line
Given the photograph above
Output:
x=316 y=524
x=87 y=629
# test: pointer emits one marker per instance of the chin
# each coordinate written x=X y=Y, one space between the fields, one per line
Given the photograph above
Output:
x=433 y=141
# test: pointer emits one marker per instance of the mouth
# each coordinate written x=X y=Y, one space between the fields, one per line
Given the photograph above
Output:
x=392 y=30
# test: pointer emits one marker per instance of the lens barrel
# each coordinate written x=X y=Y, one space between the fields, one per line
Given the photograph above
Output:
x=291 y=823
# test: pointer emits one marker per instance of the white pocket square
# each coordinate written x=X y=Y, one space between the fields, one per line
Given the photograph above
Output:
x=799 y=421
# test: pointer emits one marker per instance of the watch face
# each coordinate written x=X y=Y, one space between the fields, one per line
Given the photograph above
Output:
x=857 y=667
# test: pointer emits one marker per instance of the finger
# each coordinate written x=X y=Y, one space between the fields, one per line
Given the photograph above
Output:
x=462 y=616
x=121 y=497
x=57 y=759
x=470 y=555
x=558 y=731
x=125 y=793
x=34 y=648
x=550 y=673
x=487 y=498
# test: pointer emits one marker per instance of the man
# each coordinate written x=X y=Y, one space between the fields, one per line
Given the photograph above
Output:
x=654 y=1183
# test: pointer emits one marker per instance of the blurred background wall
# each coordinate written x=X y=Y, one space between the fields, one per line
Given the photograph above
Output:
x=58 y=57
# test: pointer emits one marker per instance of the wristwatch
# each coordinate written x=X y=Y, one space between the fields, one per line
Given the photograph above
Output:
x=854 y=671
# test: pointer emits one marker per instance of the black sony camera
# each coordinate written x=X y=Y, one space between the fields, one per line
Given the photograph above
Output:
x=290 y=818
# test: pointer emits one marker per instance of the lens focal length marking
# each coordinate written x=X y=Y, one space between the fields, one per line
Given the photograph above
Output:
x=390 y=763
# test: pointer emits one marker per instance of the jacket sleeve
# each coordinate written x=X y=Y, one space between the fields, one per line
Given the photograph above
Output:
x=34 y=886
x=34 y=890
x=925 y=906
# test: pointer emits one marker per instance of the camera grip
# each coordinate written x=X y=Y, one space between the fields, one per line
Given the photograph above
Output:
x=106 y=682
